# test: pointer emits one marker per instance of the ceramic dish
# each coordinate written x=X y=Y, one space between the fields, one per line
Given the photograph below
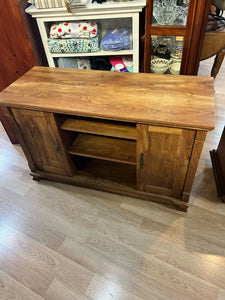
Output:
x=159 y=65
x=174 y=68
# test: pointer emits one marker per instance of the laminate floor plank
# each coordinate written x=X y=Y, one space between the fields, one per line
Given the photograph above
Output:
x=103 y=205
x=93 y=260
x=162 y=277
x=221 y=295
x=41 y=223
x=41 y=260
x=59 y=241
x=99 y=288
x=12 y=289
x=60 y=291
x=31 y=225
x=4 y=209
x=64 y=205
x=124 y=234
x=20 y=270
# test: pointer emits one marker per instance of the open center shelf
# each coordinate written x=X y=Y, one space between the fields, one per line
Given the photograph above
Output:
x=107 y=148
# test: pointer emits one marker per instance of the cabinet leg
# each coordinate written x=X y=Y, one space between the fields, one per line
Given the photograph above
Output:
x=36 y=177
x=182 y=208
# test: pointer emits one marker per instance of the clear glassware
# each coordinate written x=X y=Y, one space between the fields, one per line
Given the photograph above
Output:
x=177 y=50
x=166 y=12
x=182 y=18
x=161 y=45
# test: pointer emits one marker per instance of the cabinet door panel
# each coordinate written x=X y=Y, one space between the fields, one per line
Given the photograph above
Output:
x=43 y=141
x=163 y=155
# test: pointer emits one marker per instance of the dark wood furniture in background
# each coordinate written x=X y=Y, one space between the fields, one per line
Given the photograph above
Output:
x=193 y=33
x=142 y=138
x=214 y=44
x=218 y=162
x=16 y=55
x=33 y=34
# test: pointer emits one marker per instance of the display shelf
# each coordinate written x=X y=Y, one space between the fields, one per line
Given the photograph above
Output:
x=108 y=14
x=98 y=53
x=184 y=18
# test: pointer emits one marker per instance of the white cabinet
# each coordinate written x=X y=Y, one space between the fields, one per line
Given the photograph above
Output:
x=109 y=15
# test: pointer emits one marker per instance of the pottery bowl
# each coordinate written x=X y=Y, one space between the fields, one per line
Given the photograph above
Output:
x=159 y=65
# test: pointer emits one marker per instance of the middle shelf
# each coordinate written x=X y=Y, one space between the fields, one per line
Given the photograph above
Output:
x=107 y=148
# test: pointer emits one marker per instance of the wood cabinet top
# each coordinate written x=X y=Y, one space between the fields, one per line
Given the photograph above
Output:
x=167 y=100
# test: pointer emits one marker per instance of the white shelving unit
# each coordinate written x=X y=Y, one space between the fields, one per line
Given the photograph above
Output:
x=109 y=14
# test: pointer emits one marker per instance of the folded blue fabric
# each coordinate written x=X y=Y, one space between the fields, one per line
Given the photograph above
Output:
x=117 y=39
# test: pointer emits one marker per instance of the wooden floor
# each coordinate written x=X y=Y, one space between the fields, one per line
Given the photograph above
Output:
x=64 y=242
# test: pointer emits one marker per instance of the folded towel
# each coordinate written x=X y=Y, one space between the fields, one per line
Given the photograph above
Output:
x=74 y=30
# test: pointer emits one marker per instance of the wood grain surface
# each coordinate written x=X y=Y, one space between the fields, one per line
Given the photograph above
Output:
x=164 y=170
x=40 y=134
x=16 y=56
x=184 y=101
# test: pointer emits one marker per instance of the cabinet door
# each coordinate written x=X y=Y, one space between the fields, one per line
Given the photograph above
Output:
x=43 y=141
x=163 y=159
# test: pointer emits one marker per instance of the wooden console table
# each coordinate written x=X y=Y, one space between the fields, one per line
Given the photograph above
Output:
x=139 y=135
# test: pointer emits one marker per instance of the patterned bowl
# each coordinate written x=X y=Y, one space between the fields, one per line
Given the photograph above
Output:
x=159 y=65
